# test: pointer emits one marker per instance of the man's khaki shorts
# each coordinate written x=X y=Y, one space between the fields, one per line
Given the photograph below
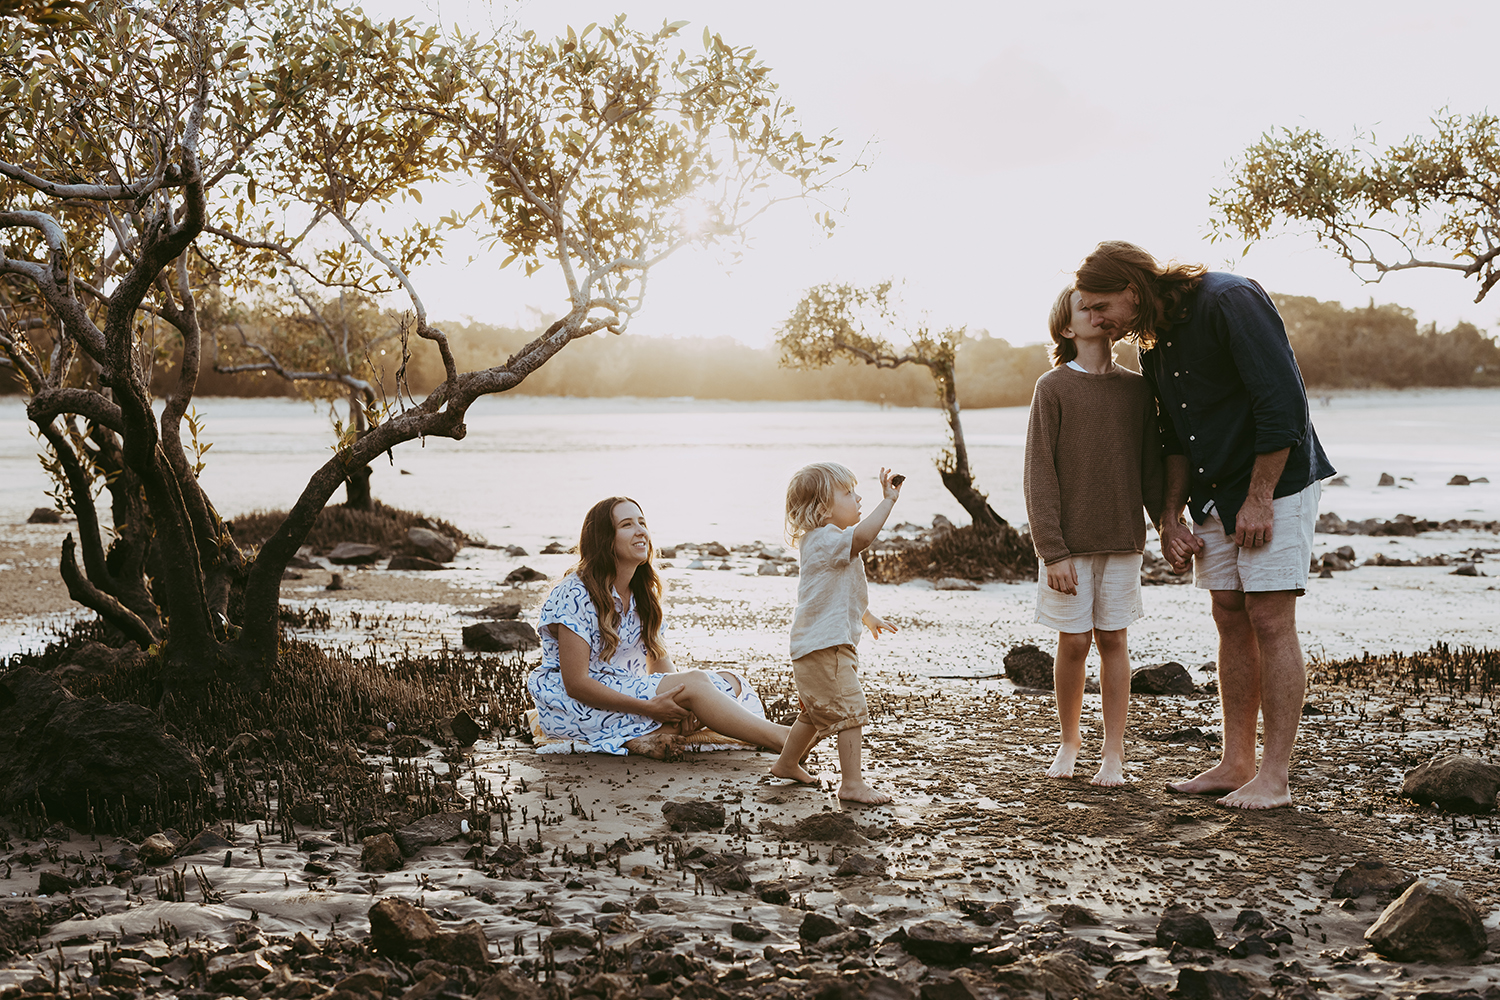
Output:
x=1280 y=565
x=828 y=687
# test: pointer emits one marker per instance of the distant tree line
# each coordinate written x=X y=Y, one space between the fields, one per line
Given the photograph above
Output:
x=1338 y=348
x=1384 y=347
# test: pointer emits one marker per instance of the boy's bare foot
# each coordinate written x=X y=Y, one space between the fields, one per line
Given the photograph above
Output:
x=660 y=745
x=796 y=772
x=1111 y=773
x=1214 y=781
x=859 y=791
x=1062 y=766
x=1259 y=793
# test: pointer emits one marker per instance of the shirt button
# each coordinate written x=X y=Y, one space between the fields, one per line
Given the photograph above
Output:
x=1184 y=406
x=1200 y=471
x=1177 y=374
x=1192 y=437
x=1169 y=343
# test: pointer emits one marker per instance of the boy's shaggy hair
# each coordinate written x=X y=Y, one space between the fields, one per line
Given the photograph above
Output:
x=1058 y=321
x=809 y=496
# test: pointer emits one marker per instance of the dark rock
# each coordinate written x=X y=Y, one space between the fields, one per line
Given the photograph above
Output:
x=1250 y=946
x=1073 y=915
x=553 y=549
x=571 y=937
x=1059 y=974
x=408 y=746
x=742 y=931
x=354 y=554
x=1091 y=952
x=20 y=923
x=1371 y=878
x=1188 y=734
x=774 y=892
x=495 y=612
x=1339 y=480
x=398 y=928
x=501 y=636
x=964 y=984
x=438 y=828
x=126 y=859
x=1433 y=921
x=648 y=903
x=827 y=827
x=230 y=972
x=1178 y=925
x=1161 y=678
x=1455 y=782
x=523 y=574
x=1386 y=479
x=815 y=926
x=507 y=985
x=380 y=854
x=413 y=563
x=516 y=552
x=1459 y=480
x=684 y=815
x=71 y=753
x=54 y=883
x=157 y=848
x=939 y=941
x=438 y=548
x=44 y=515
x=716 y=550
x=1211 y=984
x=1466 y=569
x=858 y=864
x=1028 y=667
x=465 y=730
x=466 y=946
x=207 y=842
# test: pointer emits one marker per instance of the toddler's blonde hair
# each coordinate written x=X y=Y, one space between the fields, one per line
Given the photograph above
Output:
x=809 y=496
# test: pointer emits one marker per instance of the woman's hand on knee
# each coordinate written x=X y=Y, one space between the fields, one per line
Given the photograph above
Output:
x=663 y=707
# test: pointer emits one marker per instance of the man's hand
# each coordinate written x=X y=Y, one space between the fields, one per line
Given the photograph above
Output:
x=1062 y=576
x=1252 y=525
x=1179 y=544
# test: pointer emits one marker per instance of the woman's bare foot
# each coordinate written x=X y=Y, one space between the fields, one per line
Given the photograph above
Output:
x=1215 y=781
x=1062 y=765
x=860 y=791
x=794 y=772
x=660 y=745
x=1111 y=773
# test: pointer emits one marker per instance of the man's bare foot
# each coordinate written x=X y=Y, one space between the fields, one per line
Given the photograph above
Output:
x=794 y=772
x=1259 y=793
x=1111 y=773
x=659 y=745
x=859 y=791
x=1215 y=781
x=1062 y=766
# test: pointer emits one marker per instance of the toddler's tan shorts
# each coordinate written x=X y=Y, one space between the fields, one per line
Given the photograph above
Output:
x=828 y=686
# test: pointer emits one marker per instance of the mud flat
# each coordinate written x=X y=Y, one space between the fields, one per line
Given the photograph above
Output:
x=579 y=884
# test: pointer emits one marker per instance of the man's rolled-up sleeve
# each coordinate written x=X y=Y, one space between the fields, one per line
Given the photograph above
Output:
x=1256 y=336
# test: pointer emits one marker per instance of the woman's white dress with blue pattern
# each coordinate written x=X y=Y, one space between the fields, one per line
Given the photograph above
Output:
x=580 y=727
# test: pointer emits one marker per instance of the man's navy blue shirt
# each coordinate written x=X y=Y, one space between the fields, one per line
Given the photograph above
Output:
x=1228 y=389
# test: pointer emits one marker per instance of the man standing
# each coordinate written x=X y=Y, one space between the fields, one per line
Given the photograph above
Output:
x=1243 y=458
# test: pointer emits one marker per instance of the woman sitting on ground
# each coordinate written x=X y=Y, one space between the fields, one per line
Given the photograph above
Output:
x=605 y=682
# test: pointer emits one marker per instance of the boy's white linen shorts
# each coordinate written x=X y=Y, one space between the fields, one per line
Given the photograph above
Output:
x=1282 y=564
x=1108 y=598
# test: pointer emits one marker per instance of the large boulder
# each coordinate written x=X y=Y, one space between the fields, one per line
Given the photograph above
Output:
x=1179 y=925
x=501 y=637
x=942 y=942
x=1456 y=782
x=438 y=548
x=1371 y=878
x=75 y=753
x=1433 y=921
x=1029 y=667
x=693 y=814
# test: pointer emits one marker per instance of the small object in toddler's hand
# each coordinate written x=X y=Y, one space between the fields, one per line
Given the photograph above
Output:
x=897 y=480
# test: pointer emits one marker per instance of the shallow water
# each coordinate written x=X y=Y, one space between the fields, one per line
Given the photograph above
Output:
x=530 y=466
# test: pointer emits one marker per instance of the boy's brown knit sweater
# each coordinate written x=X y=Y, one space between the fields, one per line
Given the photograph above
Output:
x=1093 y=460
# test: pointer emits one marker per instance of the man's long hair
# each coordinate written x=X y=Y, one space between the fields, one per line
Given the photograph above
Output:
x=1162 y=293
x=596 y=568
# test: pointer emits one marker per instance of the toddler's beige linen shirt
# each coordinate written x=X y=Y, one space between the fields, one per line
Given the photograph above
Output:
x=831 y=592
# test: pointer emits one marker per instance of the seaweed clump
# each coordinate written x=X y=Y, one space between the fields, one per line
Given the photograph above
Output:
x=971 y=552
x=381 y=525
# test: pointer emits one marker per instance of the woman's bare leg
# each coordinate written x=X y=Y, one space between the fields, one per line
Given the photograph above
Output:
x=723 y=714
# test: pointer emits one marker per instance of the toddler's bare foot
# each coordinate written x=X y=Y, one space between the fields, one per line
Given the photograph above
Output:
x=1111 y=773
x=793 y=772
x=859 y=791
x=1062 y=765
x=1216 y=780
x=660 y=745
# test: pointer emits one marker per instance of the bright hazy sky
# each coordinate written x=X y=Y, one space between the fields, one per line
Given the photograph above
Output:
x=1009 y=138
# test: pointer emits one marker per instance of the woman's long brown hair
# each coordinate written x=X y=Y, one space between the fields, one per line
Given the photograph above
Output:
x=596 y=568
x=1161 y=292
